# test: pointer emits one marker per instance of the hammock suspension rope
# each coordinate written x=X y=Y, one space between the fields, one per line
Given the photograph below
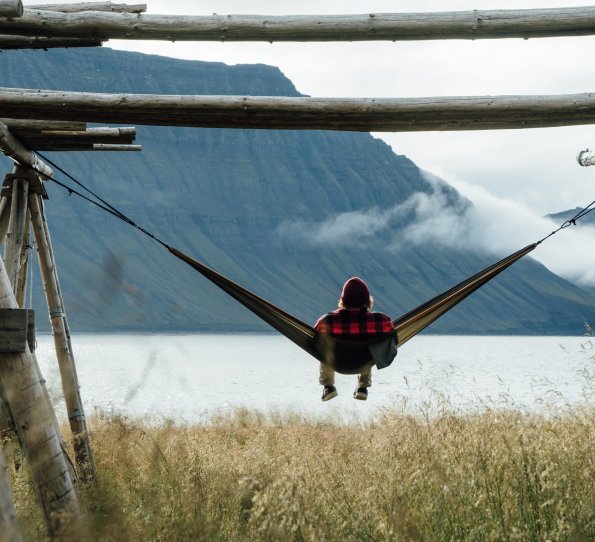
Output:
x=346 y=356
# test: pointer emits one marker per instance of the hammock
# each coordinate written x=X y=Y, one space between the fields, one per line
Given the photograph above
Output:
x=347 y=356
x=344 y=355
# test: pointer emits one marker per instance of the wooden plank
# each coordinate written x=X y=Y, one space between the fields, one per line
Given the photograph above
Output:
x=476 y=24
x=91 y=6
x=8 y=43
x=13 y=330
x=283 y=113
x=11 y=8
x=35 y=187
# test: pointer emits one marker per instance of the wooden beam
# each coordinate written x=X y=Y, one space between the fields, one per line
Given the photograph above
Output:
x=35 y=422
x=47 y=140
x=64 y=140
x=61 y=333
x=585 y=158
x=282 y=113
x=116 y=148
x=91 y=6
x=28 y=126
x=477 y=24
x=11 y=8
x=16 y=230
x=87 y=147
x=25 y=42
x=13 y=148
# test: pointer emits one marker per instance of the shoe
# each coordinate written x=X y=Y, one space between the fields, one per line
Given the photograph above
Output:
x=329 y=393
x=361 y=394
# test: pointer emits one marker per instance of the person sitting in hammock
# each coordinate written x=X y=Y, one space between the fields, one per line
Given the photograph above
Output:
x=353 y=319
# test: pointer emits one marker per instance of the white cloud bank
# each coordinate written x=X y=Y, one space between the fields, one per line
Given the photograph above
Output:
x=492 y=224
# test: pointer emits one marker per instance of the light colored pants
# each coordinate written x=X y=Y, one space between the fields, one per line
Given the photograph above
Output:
x=327 y=377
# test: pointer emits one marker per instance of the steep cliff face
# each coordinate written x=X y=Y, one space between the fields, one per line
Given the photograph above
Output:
x=289 y=214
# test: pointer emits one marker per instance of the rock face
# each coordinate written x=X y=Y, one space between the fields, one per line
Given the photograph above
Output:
x=288 y=214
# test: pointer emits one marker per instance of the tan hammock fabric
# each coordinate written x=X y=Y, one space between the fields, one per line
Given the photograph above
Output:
x=345 y=356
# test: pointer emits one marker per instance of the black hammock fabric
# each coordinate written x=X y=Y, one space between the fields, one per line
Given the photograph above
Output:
x=344 y=355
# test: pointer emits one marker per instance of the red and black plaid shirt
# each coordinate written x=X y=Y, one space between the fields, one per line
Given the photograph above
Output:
x=355 y=323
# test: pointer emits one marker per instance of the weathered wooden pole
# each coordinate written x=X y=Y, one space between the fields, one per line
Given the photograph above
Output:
x=28 y=42
x=11 y=8
x=16 y=230
x=21 y=285
x=296 y=113
x=38 y=432
x=476 y=24
x=13 y=148
x=91 y=6
x=9 y=531
x=61 y=333
x=4 y=217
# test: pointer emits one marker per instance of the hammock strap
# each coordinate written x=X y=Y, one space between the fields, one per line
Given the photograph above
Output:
x=411 y=323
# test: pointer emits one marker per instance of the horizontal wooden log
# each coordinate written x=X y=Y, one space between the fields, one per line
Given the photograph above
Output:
x=28 y=126
x=78 y=140
x=477 y=24
x=25 y=42
x=282 y=113
x=64 y=146
x=91 y=133
x=91 y=6
x=11 y=8
x=116 y=148
x=586 y=158
x=13 y=148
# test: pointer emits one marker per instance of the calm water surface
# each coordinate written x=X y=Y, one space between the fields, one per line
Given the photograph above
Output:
x=187 y=378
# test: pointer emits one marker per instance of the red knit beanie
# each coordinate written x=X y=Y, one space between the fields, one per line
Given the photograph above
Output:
x=355 y=293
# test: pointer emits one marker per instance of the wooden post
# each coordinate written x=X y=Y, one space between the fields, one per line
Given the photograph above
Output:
x=61 y=333
x=21 y=286
x=11 y=8
x=9 y=531
x=35 y=423
x=4 y=217
x=16 y=230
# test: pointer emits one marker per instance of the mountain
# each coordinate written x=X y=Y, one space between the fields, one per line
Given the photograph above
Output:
x=288 y=214
x=586 y=220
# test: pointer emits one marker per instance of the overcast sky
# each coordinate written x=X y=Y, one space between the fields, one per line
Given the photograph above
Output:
x=533 y=171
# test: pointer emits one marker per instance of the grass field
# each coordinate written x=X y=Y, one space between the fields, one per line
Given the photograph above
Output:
x=491 y=475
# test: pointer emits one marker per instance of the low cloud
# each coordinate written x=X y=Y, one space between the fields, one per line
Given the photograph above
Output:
x=490 y=225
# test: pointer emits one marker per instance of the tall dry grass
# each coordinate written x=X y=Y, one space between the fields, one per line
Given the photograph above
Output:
x=491 y=475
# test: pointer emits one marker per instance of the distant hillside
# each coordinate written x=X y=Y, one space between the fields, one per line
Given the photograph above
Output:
x=248 y=203
x=587 y=220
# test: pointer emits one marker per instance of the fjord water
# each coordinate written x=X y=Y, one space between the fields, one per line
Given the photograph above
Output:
x=188 y=378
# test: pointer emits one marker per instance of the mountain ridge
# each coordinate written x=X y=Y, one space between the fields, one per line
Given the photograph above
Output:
x=223 y=196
